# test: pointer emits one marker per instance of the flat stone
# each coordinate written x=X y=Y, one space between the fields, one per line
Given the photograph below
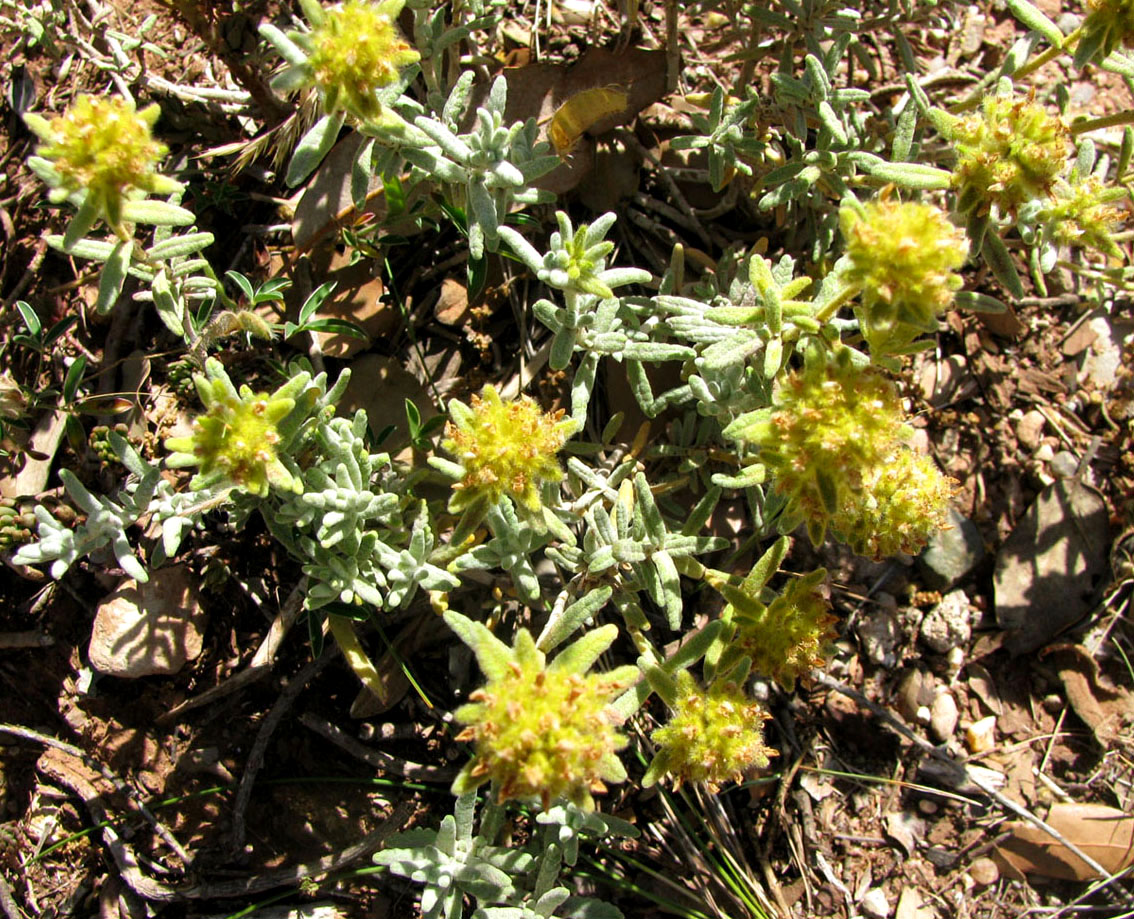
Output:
x=949 y=624
x=984 y=871
x=951 y=553
x=149 y=629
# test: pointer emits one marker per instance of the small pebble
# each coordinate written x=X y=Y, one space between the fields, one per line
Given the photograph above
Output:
x=1029 y=429
x=980 y=736
x=1052 y=704
x=1064 y=464
x=943 y=717
x=875 y=905
x=983 y=871
x=927 y=807
x=949 y=624
x=878 y=633
x=914 y=691
x=1044 y=453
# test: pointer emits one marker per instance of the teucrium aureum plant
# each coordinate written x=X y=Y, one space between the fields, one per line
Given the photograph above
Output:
x=784 y=393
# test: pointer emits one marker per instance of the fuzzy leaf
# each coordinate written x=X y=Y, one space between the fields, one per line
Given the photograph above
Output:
x=315 y=145
x=492 y=654
x=578 y=656
x=561 y=625
x=113 y=276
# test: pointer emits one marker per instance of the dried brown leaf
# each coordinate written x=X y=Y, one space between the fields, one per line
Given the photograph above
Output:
x=1103 y=706
x=1104 y=833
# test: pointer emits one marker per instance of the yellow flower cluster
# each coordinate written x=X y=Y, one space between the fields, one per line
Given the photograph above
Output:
x=544 y=730
x=506 y=449
x=1010 y=153
x=357 y=50
x=904 y=257
x=105 y=148
x=714 y=736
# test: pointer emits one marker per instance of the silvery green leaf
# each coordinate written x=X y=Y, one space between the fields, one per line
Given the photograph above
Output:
x=291 y=79
x=315 y=145
x=565 y=621
x=831 y=121
x=619 y=277
x=1034 y=18
x=43 y=169
x=908 y=175
x=746 y=478
x=670 y=583
x=562 y=347
x=999 y=261
x=693 y=648
x=179 y=246
x=492 y=654
x=582 y=653
x=506 y=175
x=188 y=267
x=113 y=276
x=450 y=143
x=289 y=50
x=157 y=213
x=523 y=250
x=361 y=172
x=904 y=133
x=656 y=351
x=651 y=516
x=978 y=302
x=83 y=220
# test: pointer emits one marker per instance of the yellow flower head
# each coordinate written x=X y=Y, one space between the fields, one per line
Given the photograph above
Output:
x=357 y=50
x=785 y=639
x=1083 y=214
x=904 y=502
x=105 y=148
x=236 y=439
x=827 y=429
x=506 y=449
x=542 y=730
x=904 y=256
x=714 y=736
x=1009 y=154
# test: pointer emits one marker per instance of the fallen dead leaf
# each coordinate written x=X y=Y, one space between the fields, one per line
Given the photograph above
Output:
x=1103 y=706
x=906 y=829
x=356 y=298
x=983 y=685
x=1050 y=568
x=540 y=90
x=452 y=303
x=1104 y=833
x=381 y=386
x=38 y=454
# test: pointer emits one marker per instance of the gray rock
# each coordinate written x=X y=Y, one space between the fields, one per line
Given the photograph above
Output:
x=949 y=624
x=951 y=554
x=1052 y=568
x=149 y=629
x=914 y=692
x=879 y=634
